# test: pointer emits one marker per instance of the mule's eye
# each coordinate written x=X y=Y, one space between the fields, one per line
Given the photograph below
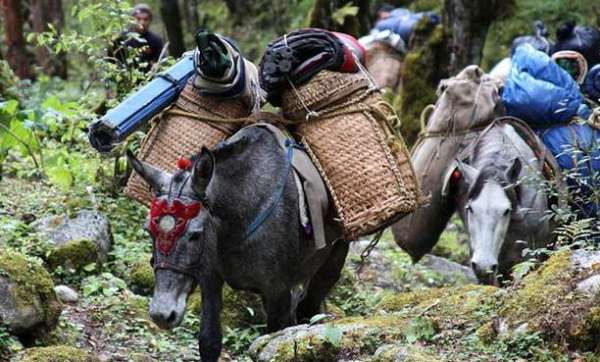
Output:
x=468 y=208
x=195 y=235
x=507 y=211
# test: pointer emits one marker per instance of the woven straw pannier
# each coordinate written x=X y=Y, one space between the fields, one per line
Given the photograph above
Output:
x=193 y=121
x=349 y=133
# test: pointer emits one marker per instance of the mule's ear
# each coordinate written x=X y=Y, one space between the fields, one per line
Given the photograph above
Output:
x=458 y=172
x=513 y=172
x=202 y=171
x=155 y=177
x=450 y=178
x=470 y=173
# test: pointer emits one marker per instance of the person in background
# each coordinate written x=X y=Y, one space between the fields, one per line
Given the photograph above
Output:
x=384 y=11
x=148 y=44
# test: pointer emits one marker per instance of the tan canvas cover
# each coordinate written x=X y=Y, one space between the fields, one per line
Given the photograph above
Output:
x=470 y=99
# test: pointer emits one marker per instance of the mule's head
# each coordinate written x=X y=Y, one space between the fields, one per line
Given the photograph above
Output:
x=177 y=223
x=486 y=199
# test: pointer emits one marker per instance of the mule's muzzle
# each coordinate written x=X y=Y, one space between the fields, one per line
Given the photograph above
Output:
x=486 y=272
x=167 y=312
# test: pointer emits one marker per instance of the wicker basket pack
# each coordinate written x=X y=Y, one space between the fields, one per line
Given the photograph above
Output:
x=177 y=134
x=350 y=136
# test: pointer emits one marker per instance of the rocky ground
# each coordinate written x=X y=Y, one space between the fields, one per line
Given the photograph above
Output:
x=75 y=283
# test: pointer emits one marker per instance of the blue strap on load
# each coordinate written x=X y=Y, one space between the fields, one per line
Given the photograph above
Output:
x=576 y=148
x=141 y=106
x=591 y=84
x=538 y=90
x=403 y=22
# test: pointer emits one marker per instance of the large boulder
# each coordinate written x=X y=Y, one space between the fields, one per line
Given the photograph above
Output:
x=557 y=307
x=449 y=270
x=86 y=238
x=56 y=354
x=28 y=303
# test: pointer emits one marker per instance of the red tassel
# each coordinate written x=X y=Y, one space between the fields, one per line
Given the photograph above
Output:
x=456 y=175
x=184 y=163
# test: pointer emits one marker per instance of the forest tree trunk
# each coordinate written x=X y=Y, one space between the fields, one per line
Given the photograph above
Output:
x=169 y=10
x=321 y=16
x=13 y=29
x=42 y=13
x=467 y=22
x=57 y=15
x=192 y=19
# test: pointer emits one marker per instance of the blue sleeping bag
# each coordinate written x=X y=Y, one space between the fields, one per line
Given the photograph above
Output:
x=539 y=91
x=591 y=84
x=576 y=148
x=403 y=22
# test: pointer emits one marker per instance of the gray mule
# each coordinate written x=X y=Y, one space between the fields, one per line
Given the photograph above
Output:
x=237 y=182
x=501 y=197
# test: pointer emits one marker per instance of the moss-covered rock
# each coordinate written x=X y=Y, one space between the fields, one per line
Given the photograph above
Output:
x=28 y=304
x=73 y=255
x=141 y=276
x=72 y=237
x=56 y=354
x=391 y=352
x=543 y=317
x=240 y=309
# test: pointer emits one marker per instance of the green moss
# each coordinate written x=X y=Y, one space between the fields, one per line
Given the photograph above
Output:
x=56 y=354
x=586 y=333
x=486 y=333
x=141 y=276
x=75 y=254
x=310 y=349
x=32 y=281
x=540 y=290
x=394 y=303
x=407 y=354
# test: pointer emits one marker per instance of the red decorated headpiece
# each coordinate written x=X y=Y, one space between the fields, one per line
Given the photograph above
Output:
x=168 y=221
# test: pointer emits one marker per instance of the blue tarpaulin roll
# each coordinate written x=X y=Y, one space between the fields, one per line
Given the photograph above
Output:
x=576 y=148
x=141 y=106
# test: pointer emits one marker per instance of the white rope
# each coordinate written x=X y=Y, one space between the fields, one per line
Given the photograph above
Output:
x=309 y=113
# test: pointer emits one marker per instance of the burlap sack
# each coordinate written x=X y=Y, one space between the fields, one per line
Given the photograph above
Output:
x=469 y=100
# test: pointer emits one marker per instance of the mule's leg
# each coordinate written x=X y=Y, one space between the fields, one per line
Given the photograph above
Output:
x=210 y=338
x=278 y=309
x=322 y=282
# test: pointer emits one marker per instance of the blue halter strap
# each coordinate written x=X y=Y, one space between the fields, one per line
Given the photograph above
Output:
x=262 y=217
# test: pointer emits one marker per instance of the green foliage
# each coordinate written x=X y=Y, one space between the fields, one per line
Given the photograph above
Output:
x=420 y=329
x=104 y=284
x=340 y=14
x=552 y=12
x=238 y=340
x=98 y=25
